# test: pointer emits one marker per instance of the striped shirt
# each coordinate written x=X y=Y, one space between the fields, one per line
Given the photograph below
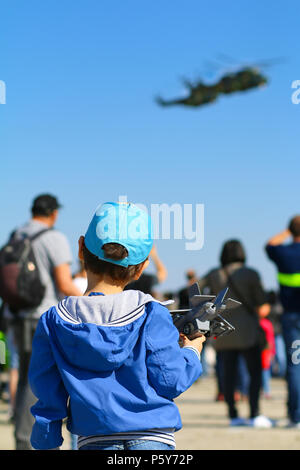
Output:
x=162 y=435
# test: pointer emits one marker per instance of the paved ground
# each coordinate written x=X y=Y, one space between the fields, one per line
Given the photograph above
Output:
x=205 y=425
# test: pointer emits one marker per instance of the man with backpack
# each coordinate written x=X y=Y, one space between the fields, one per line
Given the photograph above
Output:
x=47 y=256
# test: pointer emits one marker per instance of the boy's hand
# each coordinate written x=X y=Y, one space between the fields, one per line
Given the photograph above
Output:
x=196 y=343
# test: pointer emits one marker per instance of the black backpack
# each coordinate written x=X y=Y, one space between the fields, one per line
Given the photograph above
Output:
x=20 y=283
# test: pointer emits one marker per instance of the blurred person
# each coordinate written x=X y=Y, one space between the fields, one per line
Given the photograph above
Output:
x=80 y=278
x=245 y=286
x=13 y=365
x=53 y=257
x=278 y=366
x=147 y=281
x=242 y=380
x=241 y=388
x=286 y=257
x=267 y=354
x=3 y=366
x=183 y=300
x=183 y=294
x=170 y=296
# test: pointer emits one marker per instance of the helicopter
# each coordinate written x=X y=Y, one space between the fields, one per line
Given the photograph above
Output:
x=200 y=93
x=240 y=79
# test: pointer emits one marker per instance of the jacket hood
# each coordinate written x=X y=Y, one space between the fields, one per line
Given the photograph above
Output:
x=99 y=332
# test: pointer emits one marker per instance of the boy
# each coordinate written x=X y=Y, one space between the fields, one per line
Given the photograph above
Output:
x=110 y=360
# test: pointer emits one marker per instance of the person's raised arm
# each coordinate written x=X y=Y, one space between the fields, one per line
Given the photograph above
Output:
x=280 y=238
x=161 y=270
x=63 y=280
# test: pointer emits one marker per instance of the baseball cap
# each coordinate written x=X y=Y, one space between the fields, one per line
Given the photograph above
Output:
x=122 y=223
x=45 y=204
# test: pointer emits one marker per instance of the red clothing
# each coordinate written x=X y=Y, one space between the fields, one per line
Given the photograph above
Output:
x=268 y=353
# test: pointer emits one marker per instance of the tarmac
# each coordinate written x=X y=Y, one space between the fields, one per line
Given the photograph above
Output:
x=205 y=422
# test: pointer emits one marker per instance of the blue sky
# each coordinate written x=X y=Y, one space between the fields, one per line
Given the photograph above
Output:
x=80 y=119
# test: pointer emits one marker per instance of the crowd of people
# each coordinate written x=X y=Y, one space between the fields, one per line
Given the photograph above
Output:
x=263 y=345
x=246 y=359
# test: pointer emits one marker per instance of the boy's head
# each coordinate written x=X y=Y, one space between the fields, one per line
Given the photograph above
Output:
x=117 y=242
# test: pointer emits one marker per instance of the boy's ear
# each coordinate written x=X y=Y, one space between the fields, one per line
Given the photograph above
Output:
x=143 y=266
x=80 y=247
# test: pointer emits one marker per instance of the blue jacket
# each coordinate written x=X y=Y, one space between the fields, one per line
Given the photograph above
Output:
x=110 y=364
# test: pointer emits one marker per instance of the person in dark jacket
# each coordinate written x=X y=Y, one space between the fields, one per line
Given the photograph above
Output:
x=245 y=286
x=286 y=257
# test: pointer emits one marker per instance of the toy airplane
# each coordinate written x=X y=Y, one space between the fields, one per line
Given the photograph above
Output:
x=204 y=315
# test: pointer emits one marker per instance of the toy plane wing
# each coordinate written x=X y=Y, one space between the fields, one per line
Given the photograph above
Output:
x=180 y=312
x=231 y=303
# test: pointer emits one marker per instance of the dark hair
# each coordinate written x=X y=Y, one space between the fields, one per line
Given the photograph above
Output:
x=44 y=205
x=112 y=251
x=190 y=275
x=294 y=226
x=232 y=252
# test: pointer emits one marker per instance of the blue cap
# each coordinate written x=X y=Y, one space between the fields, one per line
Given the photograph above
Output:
x=121 y=223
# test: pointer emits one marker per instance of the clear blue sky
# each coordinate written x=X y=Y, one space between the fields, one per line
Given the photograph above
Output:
x=80 y=120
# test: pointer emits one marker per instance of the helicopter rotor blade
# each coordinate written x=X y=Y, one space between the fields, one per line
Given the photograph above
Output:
x=228 y=59
x=271 y=62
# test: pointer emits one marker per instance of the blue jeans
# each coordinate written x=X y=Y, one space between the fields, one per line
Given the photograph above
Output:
x=279 y=362
x=243 y=379
x=134 y=444
x=73 y=441
x=291 y=334
x=266 y=376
